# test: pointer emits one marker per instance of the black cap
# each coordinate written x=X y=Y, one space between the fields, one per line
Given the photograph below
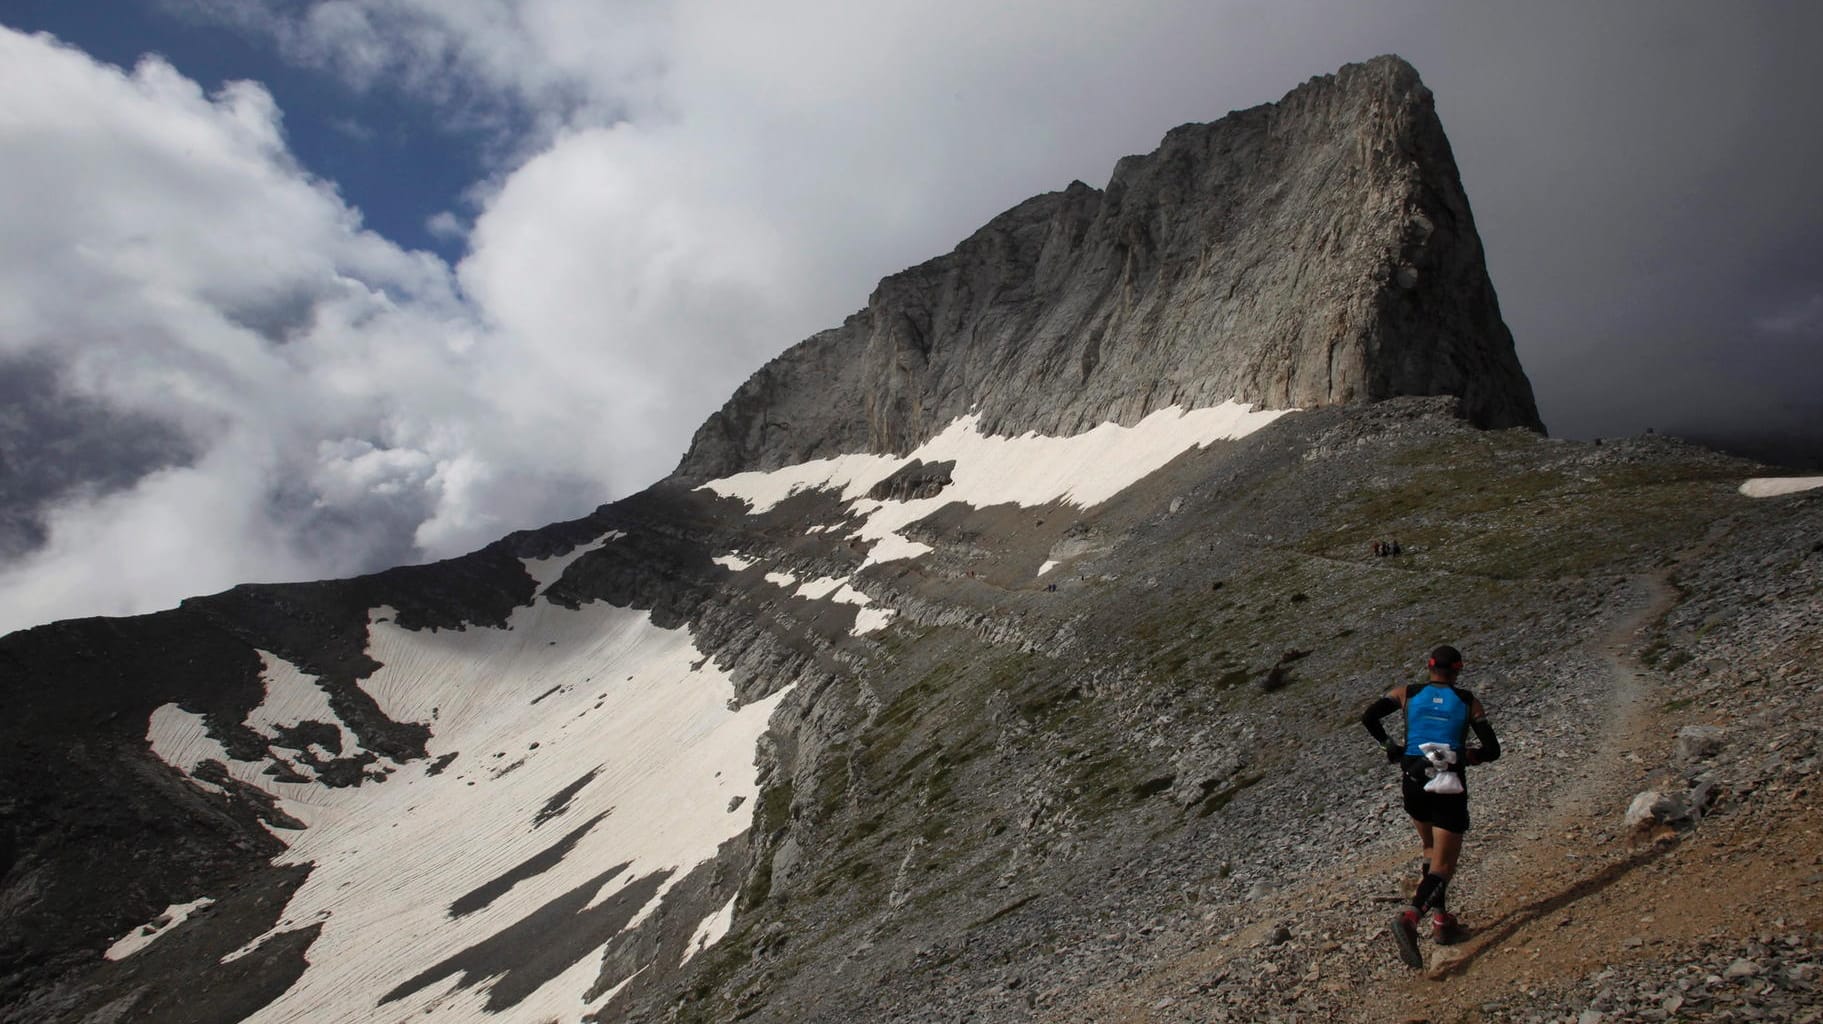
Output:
x=1446 y=658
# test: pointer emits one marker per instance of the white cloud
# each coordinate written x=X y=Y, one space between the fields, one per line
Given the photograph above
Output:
x=175 y=262
x=446 y=225
x=692 y=188
x=555 y=61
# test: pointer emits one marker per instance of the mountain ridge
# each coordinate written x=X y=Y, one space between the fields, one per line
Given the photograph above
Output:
x=946 y=670
x=1315 y=251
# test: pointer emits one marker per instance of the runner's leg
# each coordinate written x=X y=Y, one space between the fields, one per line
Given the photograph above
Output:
x=1443 y=850
x=1426 y=841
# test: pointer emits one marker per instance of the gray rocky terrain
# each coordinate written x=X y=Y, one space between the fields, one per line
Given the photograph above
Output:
x=1130 y=788
x=1144 y=796
x=1315 y=251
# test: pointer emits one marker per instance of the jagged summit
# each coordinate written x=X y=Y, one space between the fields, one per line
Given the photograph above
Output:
x=1012 y=723
x=1314 y=251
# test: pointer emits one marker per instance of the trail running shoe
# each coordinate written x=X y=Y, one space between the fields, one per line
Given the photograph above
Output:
x=1446 y=930
x=1405 y=934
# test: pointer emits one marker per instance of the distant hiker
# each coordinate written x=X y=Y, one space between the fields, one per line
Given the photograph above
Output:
x=1433 y=756
x=1376 y=549
x=1396 y=548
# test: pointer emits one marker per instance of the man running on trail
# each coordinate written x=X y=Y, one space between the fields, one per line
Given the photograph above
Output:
x=1438 y=717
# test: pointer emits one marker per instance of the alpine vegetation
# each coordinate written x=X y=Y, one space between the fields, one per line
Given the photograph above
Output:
x=998 y=654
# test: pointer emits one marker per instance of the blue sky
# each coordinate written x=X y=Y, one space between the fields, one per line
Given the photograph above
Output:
x=393 y=155
x=235 y=350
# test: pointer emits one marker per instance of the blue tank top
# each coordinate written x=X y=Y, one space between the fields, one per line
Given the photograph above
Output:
x=1435 y=714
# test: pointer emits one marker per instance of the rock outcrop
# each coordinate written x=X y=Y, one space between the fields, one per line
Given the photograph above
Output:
x=1030 y=755
x=1315 y=251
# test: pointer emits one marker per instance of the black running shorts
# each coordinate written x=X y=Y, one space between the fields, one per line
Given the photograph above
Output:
x=1447 y=811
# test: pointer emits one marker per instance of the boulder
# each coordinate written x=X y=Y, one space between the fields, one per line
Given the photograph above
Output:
x=1656 y=807
x=1699 y=742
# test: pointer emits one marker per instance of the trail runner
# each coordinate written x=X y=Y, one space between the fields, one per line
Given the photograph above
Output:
x=1433 y=755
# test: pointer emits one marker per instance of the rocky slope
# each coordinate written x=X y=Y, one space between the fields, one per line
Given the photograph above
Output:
x=1315 y=251
x=1142 y=796
x=912 y=699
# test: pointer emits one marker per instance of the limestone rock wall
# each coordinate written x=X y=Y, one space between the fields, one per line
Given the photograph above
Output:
x=1315 y=251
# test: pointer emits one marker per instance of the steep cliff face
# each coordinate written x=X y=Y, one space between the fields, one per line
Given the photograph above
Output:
x=923 y=690
x=1316 y=251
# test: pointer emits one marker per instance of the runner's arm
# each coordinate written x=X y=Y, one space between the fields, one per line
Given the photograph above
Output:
x=1370 y=719
x=1484 y=731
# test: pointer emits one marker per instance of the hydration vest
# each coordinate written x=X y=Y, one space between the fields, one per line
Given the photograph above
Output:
x=1435 y=713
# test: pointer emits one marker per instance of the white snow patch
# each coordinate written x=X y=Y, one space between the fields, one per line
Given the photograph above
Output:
x=1083 y=470
x=869 y=619
x=818 y=589
x=628 y=980
x=763 y=489
x=1047 y=566
x=781 y=579
x=546 y=571
x=638 y=702
x=710 y=932
x=174 y=915
x=1773 y=486
x=293 y=697
x=840 y=591
x=734 y=561
x=181 y=739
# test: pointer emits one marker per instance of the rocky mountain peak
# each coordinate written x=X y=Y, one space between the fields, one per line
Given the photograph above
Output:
x=1311 y=252
x=1037 y=718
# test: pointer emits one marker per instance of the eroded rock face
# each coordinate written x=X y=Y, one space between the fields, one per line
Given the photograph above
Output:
x=1315 y=251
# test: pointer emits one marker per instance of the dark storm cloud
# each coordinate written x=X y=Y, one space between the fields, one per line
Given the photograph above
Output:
x=54 y=443
x=277 y=317
x=698 y=186
x=1641 y=171
x=1644 y=180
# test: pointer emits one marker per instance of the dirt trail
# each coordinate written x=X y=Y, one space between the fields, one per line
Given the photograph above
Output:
x=1570 y=849
x=1555 y=894
x=1526 y=872
x=1575 y=894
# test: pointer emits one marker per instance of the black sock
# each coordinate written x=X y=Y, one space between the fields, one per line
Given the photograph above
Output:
x=1430 y=892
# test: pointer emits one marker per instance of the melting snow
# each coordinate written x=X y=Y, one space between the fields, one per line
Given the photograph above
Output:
x=1047 y=566
x=1084 y=470
x=141 y=937
x=763 y=489
x=781 y=579
x=547 y=571
x=734 y=561
x=293 y=697
x=817 y=590
x=711 y=931
x=181 y=739
x=869 y=619
x=612 y=690
x=1773 y=486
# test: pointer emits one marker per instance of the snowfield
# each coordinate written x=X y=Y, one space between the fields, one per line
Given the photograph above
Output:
x=140 y=938
x=591 y=737
x=581 y=762
x=1774 y=486
x=1031 y=469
